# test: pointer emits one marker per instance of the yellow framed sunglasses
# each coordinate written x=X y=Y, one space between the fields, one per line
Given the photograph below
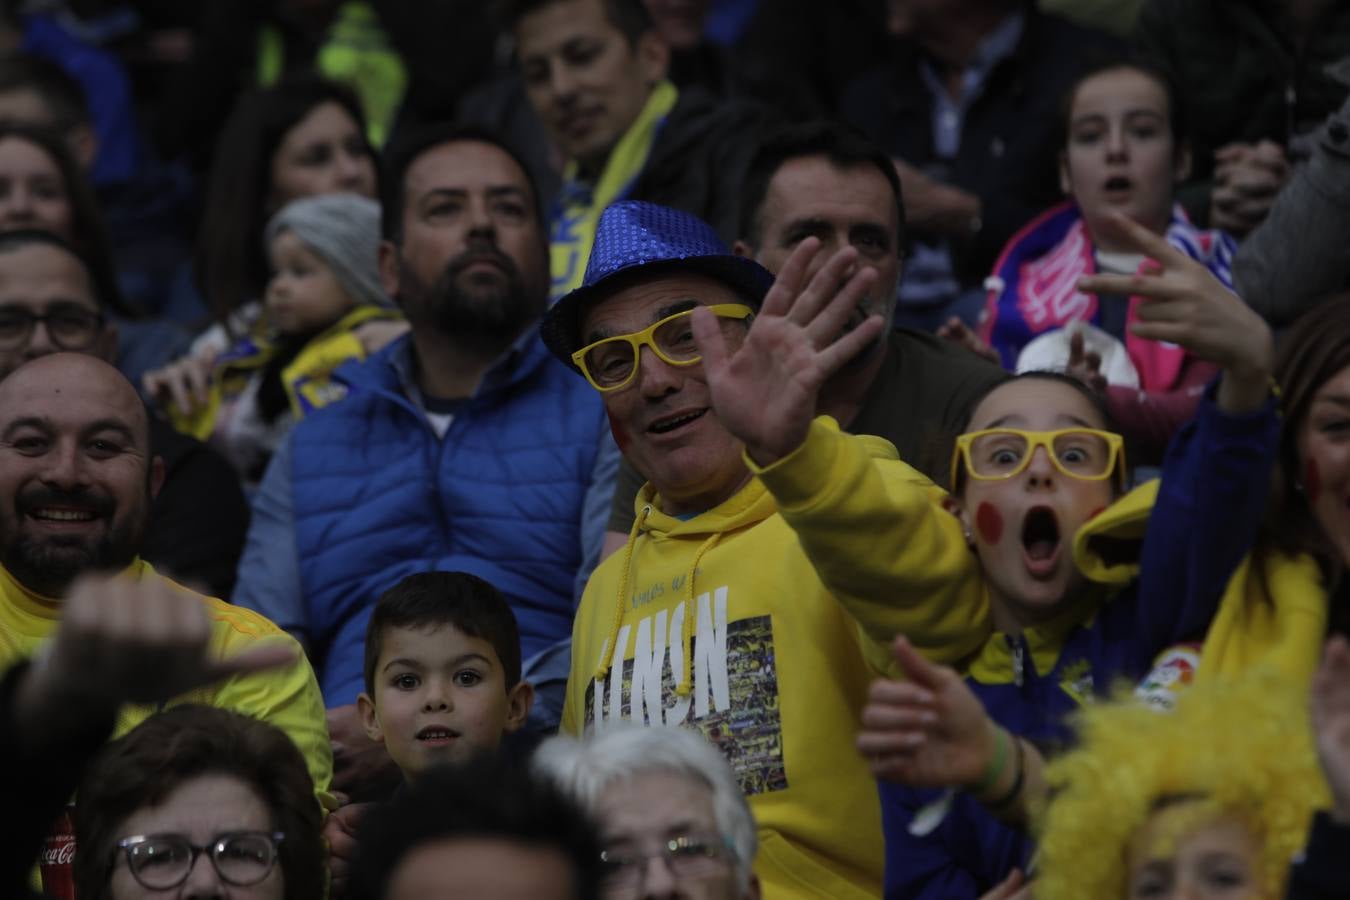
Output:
x=611 y=364
x=998 y=453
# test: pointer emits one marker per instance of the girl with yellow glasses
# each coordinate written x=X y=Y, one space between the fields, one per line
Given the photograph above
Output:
x=1086 y=583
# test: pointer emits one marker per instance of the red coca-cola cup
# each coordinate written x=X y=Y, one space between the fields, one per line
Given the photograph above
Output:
x=58 y=858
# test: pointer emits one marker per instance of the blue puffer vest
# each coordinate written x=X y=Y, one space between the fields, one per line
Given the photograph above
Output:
x=377 y=497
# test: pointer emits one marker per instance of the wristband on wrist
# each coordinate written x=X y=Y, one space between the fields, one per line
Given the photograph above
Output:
x=1016 y=789
x=994 y=771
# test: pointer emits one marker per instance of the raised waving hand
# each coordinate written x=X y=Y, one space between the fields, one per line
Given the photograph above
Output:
x=764 y=390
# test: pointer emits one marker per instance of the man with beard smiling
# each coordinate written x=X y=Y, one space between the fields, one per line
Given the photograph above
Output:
x=76 y=484
x=461 y=447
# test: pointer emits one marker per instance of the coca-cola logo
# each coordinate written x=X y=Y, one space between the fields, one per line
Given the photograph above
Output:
x=59 y=854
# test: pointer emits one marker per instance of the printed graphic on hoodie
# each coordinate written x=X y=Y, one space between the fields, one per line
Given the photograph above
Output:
x=734 y=696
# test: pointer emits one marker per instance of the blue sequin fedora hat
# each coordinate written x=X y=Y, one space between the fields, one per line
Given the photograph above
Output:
x=635 y=240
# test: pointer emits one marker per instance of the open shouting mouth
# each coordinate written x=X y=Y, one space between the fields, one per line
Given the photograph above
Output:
x=1041 y=541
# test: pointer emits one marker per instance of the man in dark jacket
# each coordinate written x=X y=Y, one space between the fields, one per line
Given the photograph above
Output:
x=969 y=107
x=596 y=73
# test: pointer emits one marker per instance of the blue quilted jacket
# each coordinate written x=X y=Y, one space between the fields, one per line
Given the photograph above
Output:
x=378 y=496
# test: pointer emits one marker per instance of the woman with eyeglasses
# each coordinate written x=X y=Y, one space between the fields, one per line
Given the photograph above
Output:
x=1086 y=583
x=199 y=802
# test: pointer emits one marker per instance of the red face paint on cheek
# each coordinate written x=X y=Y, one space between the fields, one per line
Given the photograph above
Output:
x=621 y=439
x=1312 y=480
x=989 y=521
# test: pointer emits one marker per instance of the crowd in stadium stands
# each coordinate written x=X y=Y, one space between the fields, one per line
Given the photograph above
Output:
x=708 y=449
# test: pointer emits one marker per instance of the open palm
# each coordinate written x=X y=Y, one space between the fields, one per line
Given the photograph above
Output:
x=764 y=390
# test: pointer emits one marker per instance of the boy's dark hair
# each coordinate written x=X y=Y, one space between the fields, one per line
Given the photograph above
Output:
x=170 y=748
x=405 y=149
x=61 y=94
x=429 y=599
x=841 y=144
x=490 y=798
x=629 y=16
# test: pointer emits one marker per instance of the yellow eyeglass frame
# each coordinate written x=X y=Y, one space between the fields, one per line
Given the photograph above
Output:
x=638 y=339
x=1115 y=445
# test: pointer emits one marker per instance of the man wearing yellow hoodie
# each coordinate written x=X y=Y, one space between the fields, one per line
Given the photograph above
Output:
x=721 y=613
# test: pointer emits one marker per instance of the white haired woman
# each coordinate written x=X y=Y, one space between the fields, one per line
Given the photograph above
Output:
x=671 y=812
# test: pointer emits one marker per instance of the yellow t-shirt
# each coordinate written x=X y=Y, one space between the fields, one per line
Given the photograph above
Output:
x=288 y=697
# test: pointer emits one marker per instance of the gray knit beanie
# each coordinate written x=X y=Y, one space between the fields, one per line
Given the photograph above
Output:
x=344 y=230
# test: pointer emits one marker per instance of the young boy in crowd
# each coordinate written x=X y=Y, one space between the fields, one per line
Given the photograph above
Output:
x=442 y=672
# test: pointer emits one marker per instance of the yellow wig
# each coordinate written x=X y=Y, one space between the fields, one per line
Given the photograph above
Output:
x=1243 y=748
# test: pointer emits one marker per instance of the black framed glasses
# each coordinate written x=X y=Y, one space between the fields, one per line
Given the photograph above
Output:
x=163 y=861
x=70 y=326
x=687 y=856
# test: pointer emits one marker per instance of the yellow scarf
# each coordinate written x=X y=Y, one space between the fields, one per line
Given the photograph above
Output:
x=580 y=203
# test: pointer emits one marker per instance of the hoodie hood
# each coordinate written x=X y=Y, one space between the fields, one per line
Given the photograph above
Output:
x=1107 y=548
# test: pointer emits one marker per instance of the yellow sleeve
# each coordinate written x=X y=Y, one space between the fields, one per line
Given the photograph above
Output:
x=877 y=535
x=288 y=698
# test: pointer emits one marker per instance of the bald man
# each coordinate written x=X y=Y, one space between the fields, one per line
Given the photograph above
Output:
x=76 y=482
x=49 y=303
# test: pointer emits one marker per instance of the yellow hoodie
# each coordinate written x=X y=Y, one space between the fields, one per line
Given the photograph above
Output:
x=287 y=697
x=730 y=622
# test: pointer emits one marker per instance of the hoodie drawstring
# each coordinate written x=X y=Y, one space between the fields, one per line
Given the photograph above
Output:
x=613 y=638
x=686 y=687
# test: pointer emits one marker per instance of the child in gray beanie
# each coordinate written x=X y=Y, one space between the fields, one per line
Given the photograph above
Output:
x=325 y=285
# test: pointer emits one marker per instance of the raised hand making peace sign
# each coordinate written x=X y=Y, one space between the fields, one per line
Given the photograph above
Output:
x=765 y=391
x=1189 y=306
